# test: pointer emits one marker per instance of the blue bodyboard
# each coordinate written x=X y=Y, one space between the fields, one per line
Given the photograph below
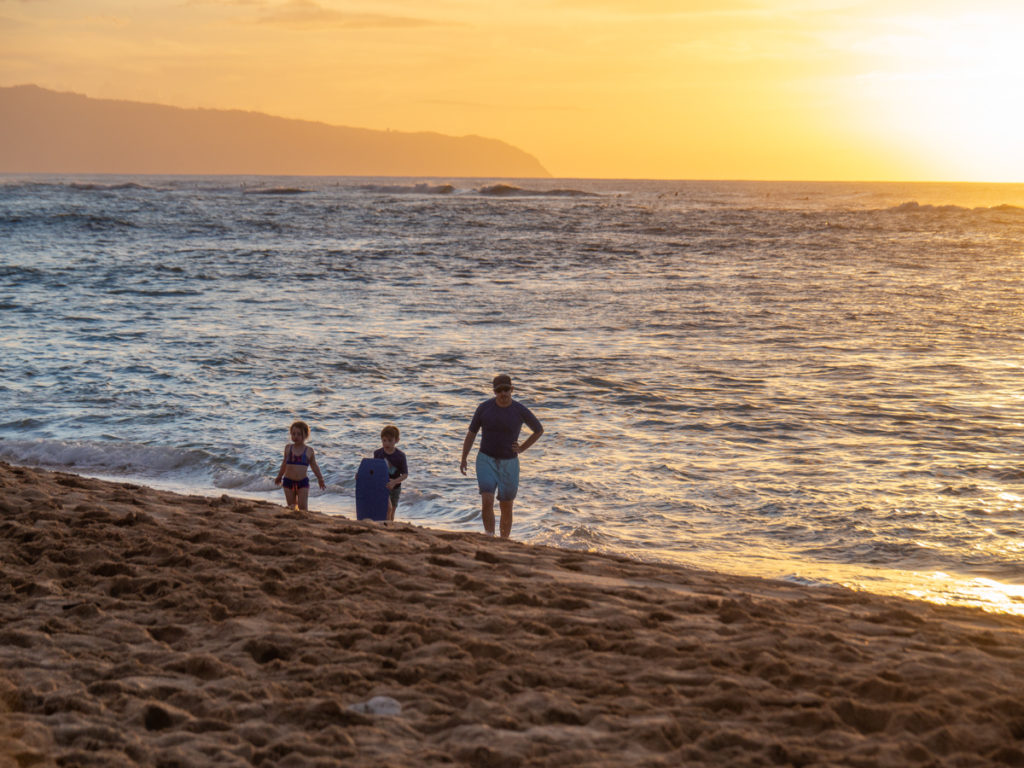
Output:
x=372 y=490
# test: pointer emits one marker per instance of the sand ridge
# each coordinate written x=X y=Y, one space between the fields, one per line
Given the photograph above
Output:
x=141 y=627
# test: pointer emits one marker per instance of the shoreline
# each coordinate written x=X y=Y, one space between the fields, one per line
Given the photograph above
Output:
x=142 y=627
x=945 y=587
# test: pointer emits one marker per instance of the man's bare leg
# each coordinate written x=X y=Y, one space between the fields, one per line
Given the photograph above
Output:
x=506 y=518
x=487 y=512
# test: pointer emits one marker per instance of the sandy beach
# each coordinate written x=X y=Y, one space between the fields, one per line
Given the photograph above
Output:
x=141 y=627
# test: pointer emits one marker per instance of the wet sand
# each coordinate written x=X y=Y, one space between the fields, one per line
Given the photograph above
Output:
x=140 y=627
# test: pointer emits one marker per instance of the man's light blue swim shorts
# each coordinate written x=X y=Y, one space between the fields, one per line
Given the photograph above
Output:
x=500 y=474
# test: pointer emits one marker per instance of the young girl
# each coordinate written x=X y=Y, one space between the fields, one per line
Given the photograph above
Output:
x=298 y=458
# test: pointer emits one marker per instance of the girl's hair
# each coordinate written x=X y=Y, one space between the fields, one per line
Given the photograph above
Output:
x=301 y=425
x=390 y=431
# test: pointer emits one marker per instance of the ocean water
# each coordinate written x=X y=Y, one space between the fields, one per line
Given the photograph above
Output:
x=814 y=382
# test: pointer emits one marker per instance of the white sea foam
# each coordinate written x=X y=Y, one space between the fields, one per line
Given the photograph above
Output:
x=111 y=457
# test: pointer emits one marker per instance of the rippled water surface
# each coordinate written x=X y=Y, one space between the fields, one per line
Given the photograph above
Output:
x=819 y=382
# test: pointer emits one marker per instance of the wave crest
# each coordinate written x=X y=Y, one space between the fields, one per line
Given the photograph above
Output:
x=412 y=189
x=90 y=186
x=912 y=206
x=277 y=191
x=508 y=190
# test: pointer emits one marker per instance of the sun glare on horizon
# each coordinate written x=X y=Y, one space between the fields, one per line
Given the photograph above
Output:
x=949 y=90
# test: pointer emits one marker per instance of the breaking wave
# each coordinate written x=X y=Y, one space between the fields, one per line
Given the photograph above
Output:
x=507 y=190
x=912 y=206
x=410 y=189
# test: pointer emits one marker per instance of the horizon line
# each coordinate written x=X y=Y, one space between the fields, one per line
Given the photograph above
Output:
x=548 y=179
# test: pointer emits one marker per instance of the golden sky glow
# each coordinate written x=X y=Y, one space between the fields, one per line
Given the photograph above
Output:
x=705 y=89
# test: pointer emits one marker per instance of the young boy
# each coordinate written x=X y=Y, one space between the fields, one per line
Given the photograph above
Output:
x=398 y=467
x=299 y=458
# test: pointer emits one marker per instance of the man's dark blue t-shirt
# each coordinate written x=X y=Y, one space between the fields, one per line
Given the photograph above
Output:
x=501 y=427
x=397 y=465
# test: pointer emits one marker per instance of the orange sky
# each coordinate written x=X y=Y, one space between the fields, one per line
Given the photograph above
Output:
x=706 y=89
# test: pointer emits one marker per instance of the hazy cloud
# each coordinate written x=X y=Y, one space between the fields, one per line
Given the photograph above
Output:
x=308 y=12
x=710 y=8
x=244 y=3
x=500 y=107
x=662 y=7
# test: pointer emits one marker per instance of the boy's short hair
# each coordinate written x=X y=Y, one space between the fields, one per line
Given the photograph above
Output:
x=389 y=431
x=301 y=425
x=501 y=380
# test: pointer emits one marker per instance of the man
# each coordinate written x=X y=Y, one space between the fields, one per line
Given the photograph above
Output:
x=497 y=461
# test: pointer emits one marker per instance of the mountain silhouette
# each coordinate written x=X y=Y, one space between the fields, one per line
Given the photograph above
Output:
x=43 y=131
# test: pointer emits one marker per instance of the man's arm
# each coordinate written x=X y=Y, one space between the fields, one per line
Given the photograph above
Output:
x=467 y=444
x=533 y=438
x=536 y=430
